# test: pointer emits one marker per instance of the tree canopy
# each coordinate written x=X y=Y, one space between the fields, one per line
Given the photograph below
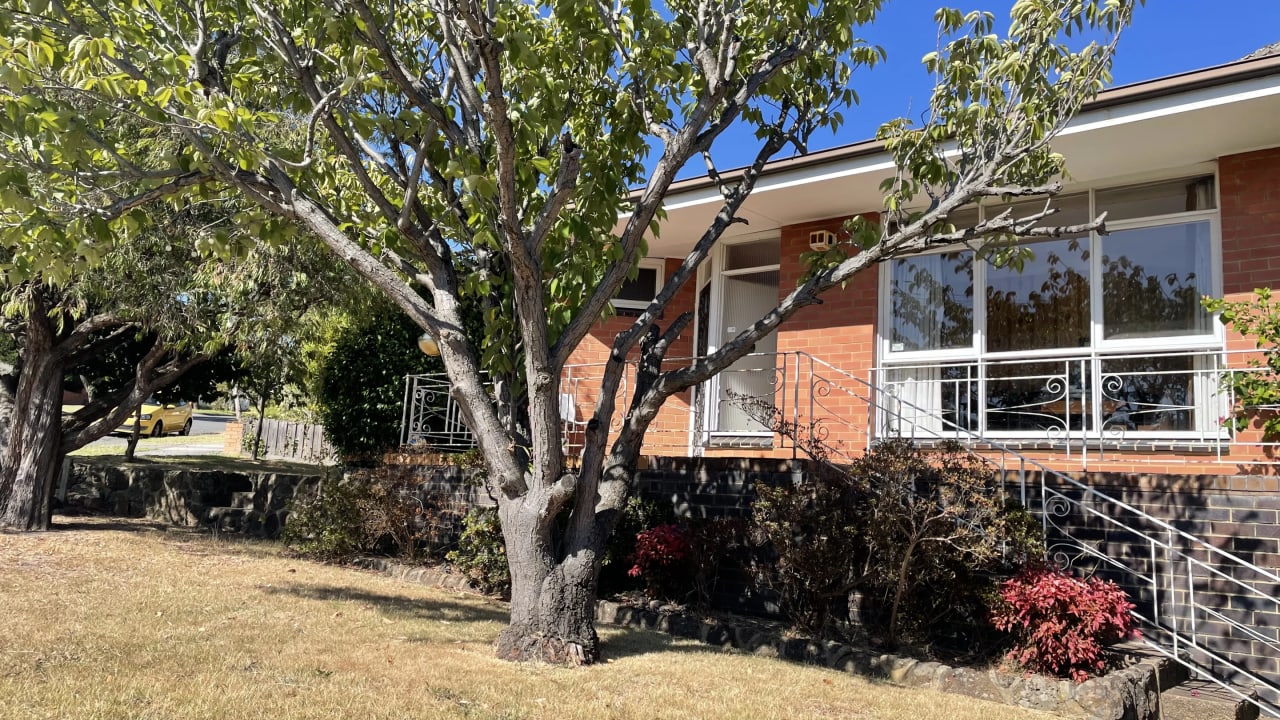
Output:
x=515 y=156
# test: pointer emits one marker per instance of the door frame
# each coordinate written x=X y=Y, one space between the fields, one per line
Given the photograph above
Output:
x=701 y=437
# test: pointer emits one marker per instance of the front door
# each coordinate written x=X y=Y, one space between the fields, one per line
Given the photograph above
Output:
x=744 y=393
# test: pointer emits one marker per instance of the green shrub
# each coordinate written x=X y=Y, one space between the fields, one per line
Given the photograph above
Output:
x=360 y=384
x=482 y=552
x=1255 y=392
x=383 y=511
x=327 y=525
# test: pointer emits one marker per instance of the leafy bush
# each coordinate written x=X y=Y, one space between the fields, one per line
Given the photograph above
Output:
x=398 y=517
x=661 y=559
x=1062 y=624
x=482 y=552
x=637 y=515
x=1256 y=392
x=383 y=511
x=813 y=530
x=919 y=533
x=327 y=525
x=934 y=525
x=715 y=546
x=360 y=384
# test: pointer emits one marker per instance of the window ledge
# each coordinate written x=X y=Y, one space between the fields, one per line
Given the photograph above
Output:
x=1154 y=445
x=746 y=442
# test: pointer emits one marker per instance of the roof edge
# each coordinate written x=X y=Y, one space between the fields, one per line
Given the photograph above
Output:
x=1120 y=95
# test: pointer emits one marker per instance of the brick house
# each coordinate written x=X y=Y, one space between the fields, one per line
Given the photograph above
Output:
x=1095 y=365
x=1093 y=378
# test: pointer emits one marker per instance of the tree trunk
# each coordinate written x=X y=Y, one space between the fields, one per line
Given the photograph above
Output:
x=33 y=454
x=552 y=603
x=131 y=445
x=262 y=420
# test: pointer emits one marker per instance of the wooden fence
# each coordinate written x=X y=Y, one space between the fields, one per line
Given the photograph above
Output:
x=288 y=441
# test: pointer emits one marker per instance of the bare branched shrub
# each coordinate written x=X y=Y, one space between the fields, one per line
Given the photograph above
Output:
x=920 y=532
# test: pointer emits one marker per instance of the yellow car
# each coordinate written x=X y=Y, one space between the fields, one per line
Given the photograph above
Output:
x=158 y=419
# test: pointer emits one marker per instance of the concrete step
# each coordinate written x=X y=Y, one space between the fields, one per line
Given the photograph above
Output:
x=1204 y=700
x=242 y=499
x=1169 y=672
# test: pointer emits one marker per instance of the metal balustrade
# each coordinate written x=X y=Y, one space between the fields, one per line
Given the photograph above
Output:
x=1197 y=603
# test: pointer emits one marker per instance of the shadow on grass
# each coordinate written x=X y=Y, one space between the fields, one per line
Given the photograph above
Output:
x=616 y=642
x=92 y=524
x=396 y=606
x=621 y=642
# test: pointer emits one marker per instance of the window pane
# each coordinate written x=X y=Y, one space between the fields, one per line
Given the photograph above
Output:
x=1164 y=198
x=1046 y=305
x=760 y=253
x=641 y=289
x=1071 y=210
x=1052 y=396
x=1151 y=393
x=1153 y=279
x=932 y=302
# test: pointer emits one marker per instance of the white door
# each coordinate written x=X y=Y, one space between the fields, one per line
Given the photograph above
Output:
x=745 y=392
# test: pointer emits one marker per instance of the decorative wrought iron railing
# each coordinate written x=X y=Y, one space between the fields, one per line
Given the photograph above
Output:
x=1208 y=607
x=1087 y=408
x=431 y=415
x=1204 y=606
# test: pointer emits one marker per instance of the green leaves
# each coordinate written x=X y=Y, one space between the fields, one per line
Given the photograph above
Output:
x=1256 y=390
x=999 y=100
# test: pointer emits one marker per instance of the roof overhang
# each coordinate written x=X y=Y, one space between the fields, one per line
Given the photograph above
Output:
x=1127 y=133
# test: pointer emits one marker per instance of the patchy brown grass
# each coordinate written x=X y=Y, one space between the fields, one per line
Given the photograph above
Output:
x=126 y=619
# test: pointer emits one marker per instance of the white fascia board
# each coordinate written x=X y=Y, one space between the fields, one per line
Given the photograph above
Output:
x=1188 y=101
x=1138 y=111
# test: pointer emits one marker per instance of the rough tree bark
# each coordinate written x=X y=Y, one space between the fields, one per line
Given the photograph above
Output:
x=39 y=437
x=31 y=454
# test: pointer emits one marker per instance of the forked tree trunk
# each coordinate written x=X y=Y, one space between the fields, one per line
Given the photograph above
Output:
x=552 y=600
x=32 y=455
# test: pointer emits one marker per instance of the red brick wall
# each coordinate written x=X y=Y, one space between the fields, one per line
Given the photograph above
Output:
x=1249 y=188
x=842 y=330
x=669 y=433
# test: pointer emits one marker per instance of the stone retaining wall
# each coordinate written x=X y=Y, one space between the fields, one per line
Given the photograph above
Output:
x=235 y=501
x=1236 y=514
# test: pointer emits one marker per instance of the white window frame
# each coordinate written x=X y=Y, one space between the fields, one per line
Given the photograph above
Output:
x=1099 y=349
x=649 y=263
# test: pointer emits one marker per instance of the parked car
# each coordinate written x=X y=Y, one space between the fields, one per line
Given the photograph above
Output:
x=161 y=419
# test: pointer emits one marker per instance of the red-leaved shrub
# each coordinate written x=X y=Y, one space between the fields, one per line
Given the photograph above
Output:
x=1062 y=624
x=661 y=559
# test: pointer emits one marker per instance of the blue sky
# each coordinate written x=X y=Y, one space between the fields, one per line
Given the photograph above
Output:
x=1167 y=37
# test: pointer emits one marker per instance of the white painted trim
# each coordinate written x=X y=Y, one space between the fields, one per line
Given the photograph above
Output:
x=715 y=322
x=660 y=278
x=1128 y=113
x=1099 y=349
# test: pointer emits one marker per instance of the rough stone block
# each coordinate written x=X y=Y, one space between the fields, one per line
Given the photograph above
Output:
x=970 y=683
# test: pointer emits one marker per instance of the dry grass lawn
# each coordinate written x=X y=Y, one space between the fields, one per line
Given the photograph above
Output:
x=110 y=619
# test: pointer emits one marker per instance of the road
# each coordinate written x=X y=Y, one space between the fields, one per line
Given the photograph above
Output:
x=202 y=426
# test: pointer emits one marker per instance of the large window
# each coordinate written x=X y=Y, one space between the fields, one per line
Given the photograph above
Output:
x=1094 y=333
